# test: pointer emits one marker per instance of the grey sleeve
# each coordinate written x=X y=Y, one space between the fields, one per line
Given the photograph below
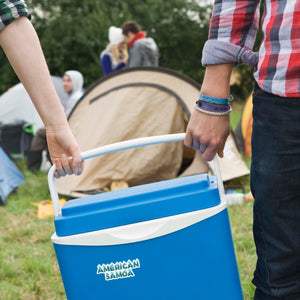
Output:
x=218 y=52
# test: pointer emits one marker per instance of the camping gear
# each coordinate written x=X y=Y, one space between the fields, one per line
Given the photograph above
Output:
x=45 y=208
x=19 y=119
x=134 y=103
x=163 y=240
x=10 y=176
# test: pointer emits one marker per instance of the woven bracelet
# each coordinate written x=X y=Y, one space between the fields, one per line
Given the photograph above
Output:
x=211 y=109
x=214 y=100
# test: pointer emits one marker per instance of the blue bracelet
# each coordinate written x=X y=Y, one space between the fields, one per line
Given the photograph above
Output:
x=223 y=101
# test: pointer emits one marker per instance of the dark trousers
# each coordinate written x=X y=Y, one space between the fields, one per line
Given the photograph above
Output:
x=275 y=184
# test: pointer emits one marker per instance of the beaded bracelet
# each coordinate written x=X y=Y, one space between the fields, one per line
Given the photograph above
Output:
x=211 y=109
x=214 y=100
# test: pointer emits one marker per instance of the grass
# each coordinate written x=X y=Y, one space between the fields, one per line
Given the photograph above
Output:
x=28 y=266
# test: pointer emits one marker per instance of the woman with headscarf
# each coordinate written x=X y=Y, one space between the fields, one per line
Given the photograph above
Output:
x=115 y=56
x=73 y=86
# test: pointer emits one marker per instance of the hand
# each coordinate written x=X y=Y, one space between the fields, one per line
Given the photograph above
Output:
x=207 y=134
x=126 y=57
x=62 y=146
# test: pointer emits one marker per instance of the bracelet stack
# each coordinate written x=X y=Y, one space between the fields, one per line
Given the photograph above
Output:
x=214 y=106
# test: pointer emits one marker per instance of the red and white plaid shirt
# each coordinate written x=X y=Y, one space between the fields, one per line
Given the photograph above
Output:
x=233 y=29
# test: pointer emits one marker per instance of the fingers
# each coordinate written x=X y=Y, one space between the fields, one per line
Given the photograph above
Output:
x=207 y=134
x=188 y=140
x=64 y=151
x=77 y=163
x=59 y=168
x=68 y=166
x=197 y=144
x=207 y=149
x=221 y=150
x=209 y=153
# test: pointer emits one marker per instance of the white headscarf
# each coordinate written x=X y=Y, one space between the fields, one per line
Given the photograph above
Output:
x=77 y=92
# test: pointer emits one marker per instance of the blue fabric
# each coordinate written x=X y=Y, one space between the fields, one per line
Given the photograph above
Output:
x=275 y=184
x=10 y=176
x=107 y=65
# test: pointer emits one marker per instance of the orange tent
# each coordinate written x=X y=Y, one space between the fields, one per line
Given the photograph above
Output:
x=246 y=125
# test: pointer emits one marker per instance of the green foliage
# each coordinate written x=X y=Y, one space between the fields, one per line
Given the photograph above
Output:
x=244 y=85
x=73 y=33
x=7 y=75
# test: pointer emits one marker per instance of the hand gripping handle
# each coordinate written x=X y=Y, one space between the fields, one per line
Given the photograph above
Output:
x=134 y=143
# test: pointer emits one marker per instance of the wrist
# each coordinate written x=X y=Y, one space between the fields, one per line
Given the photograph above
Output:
x=216 y=82
x=213 y=105
x=213 y=109
x=56 y=121
x=215 y=100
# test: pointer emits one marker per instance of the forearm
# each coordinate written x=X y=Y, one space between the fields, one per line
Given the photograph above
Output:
x=22 y=48
x=216 y=81
x=205 y=131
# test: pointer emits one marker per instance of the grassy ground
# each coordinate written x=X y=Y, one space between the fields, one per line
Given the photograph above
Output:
x=28 y=266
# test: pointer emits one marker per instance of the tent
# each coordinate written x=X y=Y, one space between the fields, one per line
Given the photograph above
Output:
x=134 y=103
x=10 y=176
x=18 y=116
x=243 y=131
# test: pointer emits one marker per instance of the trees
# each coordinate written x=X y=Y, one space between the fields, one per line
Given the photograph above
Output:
x=74 y=32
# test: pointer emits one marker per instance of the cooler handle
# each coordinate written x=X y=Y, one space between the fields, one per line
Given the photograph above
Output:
x=134 y=143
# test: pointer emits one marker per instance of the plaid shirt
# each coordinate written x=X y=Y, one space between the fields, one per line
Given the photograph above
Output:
x=11 y=10
x=233 y=29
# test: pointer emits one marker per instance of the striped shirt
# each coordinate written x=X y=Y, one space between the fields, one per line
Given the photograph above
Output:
x=232 y=34
x=11 y=10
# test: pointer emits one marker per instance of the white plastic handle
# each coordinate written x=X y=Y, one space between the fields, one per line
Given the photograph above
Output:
x=134 y=143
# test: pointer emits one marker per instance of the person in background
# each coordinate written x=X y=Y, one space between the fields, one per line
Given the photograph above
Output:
x=143 y=51
x=73 y=86
x=29 y=64
x=275 y=161
x=115 y=56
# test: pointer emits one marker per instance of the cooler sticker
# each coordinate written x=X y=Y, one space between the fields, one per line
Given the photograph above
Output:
x=118 y=270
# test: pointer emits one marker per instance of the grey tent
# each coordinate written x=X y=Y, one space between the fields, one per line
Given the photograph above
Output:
x=17 y=113
x=134 y=103
x=10 y=176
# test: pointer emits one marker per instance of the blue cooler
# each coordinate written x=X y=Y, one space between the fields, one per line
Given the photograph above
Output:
x=161 y=241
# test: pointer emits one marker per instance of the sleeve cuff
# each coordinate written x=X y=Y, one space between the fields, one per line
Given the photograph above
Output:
x=219 y=52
